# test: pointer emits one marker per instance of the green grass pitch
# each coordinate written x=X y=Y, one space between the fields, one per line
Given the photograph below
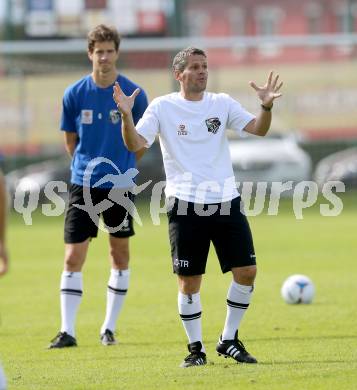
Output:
x=298 y=347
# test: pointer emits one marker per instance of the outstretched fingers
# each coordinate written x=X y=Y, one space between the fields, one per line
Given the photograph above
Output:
x=253 y=85
x=117 y=87
x=124 y=102
x=278 y=87
x=271 y=84
x=135 y=93
x=116 y=92
x=275 y=81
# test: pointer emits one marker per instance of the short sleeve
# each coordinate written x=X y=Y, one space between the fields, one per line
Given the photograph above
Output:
x=238 y=117
x=68 y=117
x=149 y=125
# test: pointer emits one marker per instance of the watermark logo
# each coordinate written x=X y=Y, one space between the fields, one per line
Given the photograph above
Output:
x=257 y=198
x=122 y=185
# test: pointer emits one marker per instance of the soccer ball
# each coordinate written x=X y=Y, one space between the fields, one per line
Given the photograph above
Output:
x=298 y=289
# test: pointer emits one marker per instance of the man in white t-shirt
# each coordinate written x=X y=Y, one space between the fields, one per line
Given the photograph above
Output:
x=204 y=205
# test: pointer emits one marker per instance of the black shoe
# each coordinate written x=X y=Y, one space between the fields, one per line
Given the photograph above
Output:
x=107 y=338
x=196 y=357
x=234 y=349
x=63 y=340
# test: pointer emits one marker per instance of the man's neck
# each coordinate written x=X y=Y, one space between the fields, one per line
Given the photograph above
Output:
x=193 y=96
x=104 y=80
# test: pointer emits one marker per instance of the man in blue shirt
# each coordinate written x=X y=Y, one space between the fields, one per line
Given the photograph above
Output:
x=91 y=124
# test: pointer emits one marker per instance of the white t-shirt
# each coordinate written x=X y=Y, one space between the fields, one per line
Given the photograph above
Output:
x=194 y=144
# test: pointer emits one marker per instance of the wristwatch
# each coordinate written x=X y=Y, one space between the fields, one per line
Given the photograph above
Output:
x=266 y=108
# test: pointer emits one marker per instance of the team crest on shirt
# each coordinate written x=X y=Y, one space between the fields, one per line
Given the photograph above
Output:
x=87 y=117
x=213 y=124
x=114 y=116
x=182 y=130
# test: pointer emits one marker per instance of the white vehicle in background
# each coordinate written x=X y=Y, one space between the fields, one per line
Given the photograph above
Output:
x=273 y=158
x=339 y=166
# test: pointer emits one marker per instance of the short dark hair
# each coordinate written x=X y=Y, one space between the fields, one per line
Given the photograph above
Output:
x=103 y=33
x=180 y=60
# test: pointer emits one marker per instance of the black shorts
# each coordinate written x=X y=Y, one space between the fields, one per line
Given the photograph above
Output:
x=191 y=233
x=81 y=224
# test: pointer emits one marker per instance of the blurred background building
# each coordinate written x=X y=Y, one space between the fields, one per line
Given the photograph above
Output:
x=312 y=44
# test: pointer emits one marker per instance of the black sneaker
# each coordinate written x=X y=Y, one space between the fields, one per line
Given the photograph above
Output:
x=196 y=357
x=234 y=349
x=107 y=338
x=63 y=340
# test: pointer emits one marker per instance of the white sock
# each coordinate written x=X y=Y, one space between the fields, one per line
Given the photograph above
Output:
x=238 y=299
x=190 y=310
x=71 y=295
x=117 y=288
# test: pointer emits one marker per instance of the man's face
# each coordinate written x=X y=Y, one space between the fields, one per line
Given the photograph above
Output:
x=104 y=56
x=193 y=79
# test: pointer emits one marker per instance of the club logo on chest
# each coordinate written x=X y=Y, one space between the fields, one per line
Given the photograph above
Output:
x=114 y=116
x=213 y=124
